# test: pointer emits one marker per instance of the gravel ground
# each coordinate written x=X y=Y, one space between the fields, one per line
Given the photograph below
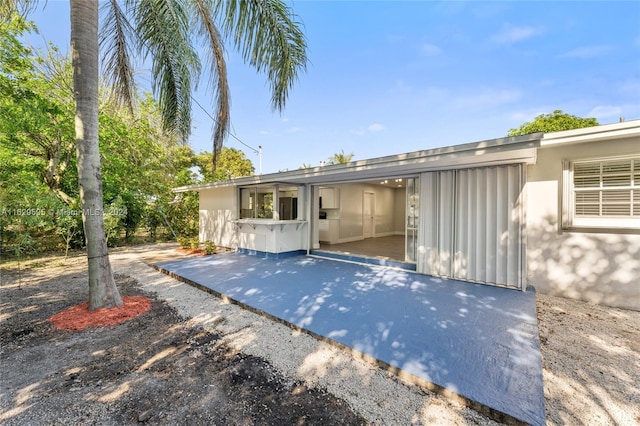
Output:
x=380 y=397
x=591 y=355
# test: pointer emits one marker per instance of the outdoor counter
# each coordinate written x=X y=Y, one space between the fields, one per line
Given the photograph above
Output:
x=271 y=236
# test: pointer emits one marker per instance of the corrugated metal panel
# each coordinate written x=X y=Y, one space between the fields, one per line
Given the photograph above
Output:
x=428 y=229
x=446 y=199
x=475 y=221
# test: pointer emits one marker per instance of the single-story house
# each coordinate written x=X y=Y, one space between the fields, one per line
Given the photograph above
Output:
x=556 y=211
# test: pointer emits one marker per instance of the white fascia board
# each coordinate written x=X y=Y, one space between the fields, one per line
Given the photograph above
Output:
x=509 y=150
x=622 y=130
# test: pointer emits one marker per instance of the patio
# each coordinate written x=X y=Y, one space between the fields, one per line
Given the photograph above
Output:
x=477 y=341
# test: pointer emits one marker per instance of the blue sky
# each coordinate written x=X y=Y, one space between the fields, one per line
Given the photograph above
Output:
x=389 y=77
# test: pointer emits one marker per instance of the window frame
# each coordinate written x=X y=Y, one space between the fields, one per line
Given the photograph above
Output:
x=267 y=189
x=570 y=220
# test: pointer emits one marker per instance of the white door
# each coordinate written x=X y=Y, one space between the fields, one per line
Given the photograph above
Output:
x=368 y=214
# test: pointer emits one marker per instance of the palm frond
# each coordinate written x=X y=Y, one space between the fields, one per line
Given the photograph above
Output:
x=163 y=28
x=21 y=7
x=117 y=40
x=270 y=38
x=218 y=72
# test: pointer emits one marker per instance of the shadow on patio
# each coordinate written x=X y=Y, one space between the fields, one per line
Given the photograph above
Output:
x=475 y=341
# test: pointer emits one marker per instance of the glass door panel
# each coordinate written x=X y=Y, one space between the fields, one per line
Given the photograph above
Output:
x=412 y=219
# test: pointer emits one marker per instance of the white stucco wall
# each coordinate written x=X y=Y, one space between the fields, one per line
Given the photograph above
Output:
x=602 y=267
x=218 y=207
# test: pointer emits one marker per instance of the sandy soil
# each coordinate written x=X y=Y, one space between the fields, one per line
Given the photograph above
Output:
x=194 y=359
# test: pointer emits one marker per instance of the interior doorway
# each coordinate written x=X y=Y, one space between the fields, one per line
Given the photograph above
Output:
x=370 y=221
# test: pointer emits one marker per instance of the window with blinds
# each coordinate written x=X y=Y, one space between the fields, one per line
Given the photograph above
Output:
x=606 y=192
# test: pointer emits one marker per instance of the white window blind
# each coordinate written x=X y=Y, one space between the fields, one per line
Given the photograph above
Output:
x=605 y=192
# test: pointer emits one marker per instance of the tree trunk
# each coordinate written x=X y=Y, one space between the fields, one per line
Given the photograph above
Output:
x=103 y=292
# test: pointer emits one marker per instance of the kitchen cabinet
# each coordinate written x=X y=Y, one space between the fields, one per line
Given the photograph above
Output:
x=330 y=198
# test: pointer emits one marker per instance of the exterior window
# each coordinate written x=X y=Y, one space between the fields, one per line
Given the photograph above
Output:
x=277 y=202
x=603 y=193
x=256 y=203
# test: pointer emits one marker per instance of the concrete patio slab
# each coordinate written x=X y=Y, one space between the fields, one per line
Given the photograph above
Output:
x=477 y=341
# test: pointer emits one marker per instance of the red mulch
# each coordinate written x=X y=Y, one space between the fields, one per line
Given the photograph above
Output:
x=191 y=251
x=79 y=317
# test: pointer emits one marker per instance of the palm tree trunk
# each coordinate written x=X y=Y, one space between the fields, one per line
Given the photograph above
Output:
x=103 y=292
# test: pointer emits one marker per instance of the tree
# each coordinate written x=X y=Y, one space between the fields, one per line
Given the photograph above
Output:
x=340 y=158
x=266 y=34
x=103 y=292
x=232 y=163
x=555 y=122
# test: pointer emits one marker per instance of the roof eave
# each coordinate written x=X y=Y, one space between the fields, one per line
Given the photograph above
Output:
x=493 y=151
x=626 y=129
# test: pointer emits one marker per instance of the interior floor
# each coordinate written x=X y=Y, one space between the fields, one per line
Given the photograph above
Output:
x=391 y=247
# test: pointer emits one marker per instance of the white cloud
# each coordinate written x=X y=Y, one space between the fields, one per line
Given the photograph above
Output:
x=586 y=52
x=294 y=130
x=510 y=34
x=263 y=132
x=605 y=111
x=430 y=49
x=372 y=128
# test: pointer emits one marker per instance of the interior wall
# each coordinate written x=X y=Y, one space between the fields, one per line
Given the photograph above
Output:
x=351 y=208
x=218 y=208
x=350 y=212
x=600 y=267
x=400 y=206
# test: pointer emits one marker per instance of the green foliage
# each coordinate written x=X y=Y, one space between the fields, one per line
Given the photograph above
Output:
x=141 y=162
x=185 y=242
x=189 y=242
x=114 y=223
x=69 y=227
x=555 y=122
x=209 y=247
x=231 y=163
x=340 y=158
x=194 y=243
x=266 y=33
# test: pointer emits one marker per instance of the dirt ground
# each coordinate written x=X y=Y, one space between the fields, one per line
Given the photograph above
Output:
x=156 y=368
x=168 y=366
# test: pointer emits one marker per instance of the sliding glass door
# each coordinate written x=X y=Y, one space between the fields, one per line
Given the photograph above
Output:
x=412 y=218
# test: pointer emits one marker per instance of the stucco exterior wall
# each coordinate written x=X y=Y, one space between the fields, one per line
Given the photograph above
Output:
x=218 y=208
x=600 y=267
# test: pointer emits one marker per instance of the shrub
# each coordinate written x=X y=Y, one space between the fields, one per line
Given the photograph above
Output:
x=209 y=247
x=194 y=243
x=185 y=242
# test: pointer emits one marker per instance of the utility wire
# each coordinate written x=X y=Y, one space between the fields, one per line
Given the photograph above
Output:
x=228 y=131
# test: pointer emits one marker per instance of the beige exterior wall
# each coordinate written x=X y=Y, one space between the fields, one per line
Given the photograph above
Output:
x=218 y=208
x=600 y=267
